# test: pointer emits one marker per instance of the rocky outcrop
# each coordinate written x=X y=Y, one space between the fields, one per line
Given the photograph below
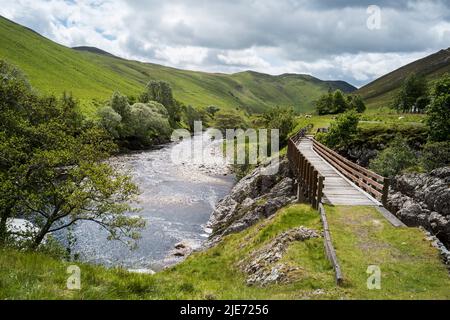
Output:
x=424 y=200
x=263 y=267
x=255 y=197
x=361 y=155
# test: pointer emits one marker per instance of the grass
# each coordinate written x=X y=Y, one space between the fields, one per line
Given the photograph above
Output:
x=93 y=77
x=410 y=267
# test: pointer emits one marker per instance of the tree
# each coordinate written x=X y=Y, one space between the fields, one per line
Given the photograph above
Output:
x=147 y=123
x=438 y=119
x=111 y=121
x=119 y=104
x=342 y=131
x=355 y=102
x=412 y=95
x=339 y=102
x=394 y=159
x=192 y=115
x=282 y=119
x=161 y=91
x=325 y=104
x=52 y=168
x=228 y=120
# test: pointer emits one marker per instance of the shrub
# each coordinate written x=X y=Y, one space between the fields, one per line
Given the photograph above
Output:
x=436 y=155
x=146 y=125
x=394 y=159
x=282 y=119
x=438 y=119
x=342 y=131
x=413 y=94
x=111 y=121
x=228 y=120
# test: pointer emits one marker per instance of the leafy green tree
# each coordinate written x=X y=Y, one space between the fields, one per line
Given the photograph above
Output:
x=325 y=104
x=438 y=119
x=282 y=119
x=161 y=91
x=111 y=121
x=147 y=125
x=119 y=104
x=229 y=120
x=394 y=159
x=355 y=102
x=52 y=167
x=192 y=115
x=413 y=94
x=339 y=102
x=342 y=131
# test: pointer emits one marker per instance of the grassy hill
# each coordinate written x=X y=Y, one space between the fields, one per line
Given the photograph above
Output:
x=381 y=92
x=92 y=75
x=411 y=267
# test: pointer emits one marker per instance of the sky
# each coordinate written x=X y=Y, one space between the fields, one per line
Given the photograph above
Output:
x=351 y=40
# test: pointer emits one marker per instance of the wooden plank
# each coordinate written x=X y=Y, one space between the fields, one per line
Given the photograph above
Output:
x=329 y=248
x=390 y=217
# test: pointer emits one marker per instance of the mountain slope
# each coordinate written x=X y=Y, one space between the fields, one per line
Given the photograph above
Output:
x=92 y=75
x=382 y=91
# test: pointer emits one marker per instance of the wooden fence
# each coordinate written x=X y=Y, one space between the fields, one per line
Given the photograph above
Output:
x=310 y=182
x=372 y=183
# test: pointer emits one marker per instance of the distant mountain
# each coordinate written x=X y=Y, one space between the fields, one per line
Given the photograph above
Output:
x=92 y=75
x=381 y=92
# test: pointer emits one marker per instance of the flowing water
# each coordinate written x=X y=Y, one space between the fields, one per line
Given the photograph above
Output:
x=177 y=198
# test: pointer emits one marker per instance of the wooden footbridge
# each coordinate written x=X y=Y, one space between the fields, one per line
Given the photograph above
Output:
x=325 y=177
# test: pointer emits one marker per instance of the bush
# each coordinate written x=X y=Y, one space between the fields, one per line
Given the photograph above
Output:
x=342 y=131
x=111 y=121
x=228 y=120
x=147 y=125
x=438 y=119
x=436 y=155
x=282 y=119
x=413 y=94
x=394 y=159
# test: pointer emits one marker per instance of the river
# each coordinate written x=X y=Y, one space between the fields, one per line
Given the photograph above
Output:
x=176 y=200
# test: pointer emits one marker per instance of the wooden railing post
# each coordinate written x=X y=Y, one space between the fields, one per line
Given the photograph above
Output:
x=384 y=198
x=314 y=188
x=320 y=191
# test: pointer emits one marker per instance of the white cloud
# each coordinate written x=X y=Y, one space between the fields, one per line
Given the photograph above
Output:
x=327 y=39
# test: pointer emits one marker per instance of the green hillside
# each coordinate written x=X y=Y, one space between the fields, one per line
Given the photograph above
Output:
x=92 y=75
x=381 y=92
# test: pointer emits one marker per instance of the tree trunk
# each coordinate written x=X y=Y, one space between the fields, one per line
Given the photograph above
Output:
x=5 y=215
x=41 y=235
x=3 y=230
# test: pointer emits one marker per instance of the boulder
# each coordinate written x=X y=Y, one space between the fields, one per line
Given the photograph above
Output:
x=255 y=197
x=423 y=200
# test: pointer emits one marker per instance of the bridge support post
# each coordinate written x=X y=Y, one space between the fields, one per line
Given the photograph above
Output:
x=384 y=198
x=300 y=196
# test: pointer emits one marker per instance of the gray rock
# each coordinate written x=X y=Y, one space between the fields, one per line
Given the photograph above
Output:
x=257 y=196
x=423 y=200
x=263 y=268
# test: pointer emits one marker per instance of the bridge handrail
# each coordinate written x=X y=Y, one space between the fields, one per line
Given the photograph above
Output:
x=310 y=181
x=371 y=182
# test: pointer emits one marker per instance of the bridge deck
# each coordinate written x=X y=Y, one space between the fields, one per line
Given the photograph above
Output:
x=337 y=190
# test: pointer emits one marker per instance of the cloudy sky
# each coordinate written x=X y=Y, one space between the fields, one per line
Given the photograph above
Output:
x=330 y=39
